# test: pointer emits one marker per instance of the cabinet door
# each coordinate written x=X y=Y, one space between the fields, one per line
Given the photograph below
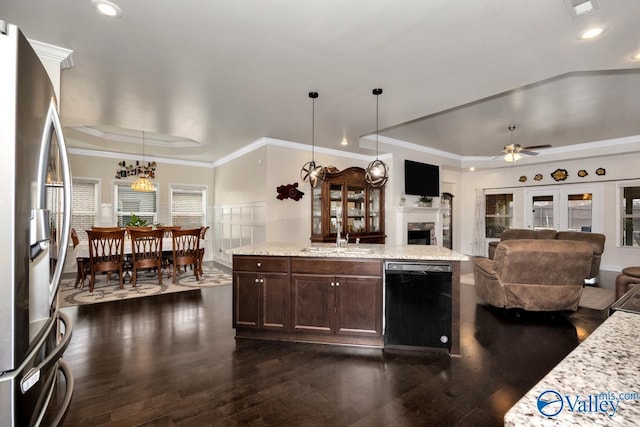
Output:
x=246 y=298
x=313 y=303
x=359 y=306
x=275 y=293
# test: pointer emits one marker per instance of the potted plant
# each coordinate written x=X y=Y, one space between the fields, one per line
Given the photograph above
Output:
x=425 y=201
x=136 y=221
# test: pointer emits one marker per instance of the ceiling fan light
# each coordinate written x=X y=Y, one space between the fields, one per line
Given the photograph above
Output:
x=512 y=157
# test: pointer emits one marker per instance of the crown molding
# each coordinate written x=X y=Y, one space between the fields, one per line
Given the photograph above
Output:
x=56 y=53
x=120 y=156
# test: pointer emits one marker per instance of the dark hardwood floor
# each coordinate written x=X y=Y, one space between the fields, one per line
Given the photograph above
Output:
x=173 y=360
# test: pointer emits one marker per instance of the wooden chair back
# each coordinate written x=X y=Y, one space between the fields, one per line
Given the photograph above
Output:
x=167 y=229
x=74 y=237
x=105 y=253
x=186 y=246
x=94 y=228
x=203 y=234
x=146 y=251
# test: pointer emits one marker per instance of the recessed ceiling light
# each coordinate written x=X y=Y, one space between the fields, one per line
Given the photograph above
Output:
x=344 y=141
x=592 y=33
x=107 y=8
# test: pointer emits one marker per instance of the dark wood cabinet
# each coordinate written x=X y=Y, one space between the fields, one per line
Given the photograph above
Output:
x=348 y=303
x=260 y=292
x=345 y=199
x=308 y=299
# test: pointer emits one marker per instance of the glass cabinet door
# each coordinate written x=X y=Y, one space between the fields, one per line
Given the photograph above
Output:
x=335 y=207
x=316 y=210
x=374 y=210
x=355 y=209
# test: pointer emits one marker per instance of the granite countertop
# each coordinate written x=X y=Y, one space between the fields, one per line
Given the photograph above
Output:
x=590 y=380
x=351 y=250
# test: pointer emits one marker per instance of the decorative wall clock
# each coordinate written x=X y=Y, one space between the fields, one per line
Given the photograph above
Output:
x=559 y=174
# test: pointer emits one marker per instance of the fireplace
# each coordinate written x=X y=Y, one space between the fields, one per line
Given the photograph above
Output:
x=420 y=233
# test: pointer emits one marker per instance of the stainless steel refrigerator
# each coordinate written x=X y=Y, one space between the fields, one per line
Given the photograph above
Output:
x=35 y=212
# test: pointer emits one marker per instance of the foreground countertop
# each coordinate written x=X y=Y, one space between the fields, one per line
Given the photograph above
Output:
x=601 y=372
x=351 y=250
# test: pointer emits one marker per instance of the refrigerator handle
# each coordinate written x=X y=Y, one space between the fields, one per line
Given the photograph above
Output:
x=52 y=124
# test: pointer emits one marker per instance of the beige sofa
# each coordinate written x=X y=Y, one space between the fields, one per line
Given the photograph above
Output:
x=534 y=274
x=596 y=241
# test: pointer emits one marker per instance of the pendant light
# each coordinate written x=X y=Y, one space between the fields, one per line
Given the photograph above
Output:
x=312 y=172
x=377 y=173
x=142 y=184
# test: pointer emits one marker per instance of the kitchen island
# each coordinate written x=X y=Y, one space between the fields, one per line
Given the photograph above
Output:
x=325 y=294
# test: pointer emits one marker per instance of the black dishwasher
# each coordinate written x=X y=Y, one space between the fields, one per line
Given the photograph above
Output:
x=417 y=305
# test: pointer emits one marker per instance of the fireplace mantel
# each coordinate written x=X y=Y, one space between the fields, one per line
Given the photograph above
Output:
x=407 y=214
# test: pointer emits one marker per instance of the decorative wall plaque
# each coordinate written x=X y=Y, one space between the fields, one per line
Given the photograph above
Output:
x=523 y=179
x=289 y=191
x=582 y=173
x=538 y=177
x=601 y=171
x=559 y=174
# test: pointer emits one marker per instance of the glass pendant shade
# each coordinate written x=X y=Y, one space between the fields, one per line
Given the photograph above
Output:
x=143 y=185
x=377 y=172
x=312 y=172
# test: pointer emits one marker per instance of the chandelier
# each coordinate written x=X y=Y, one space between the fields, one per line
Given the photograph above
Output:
x=141 y=170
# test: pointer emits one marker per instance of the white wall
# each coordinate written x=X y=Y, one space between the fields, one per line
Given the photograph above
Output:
x=619 y=167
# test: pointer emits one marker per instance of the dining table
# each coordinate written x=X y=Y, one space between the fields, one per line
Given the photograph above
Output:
x=82 y=249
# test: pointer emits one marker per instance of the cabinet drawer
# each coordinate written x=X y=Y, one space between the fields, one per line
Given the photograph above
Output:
x=337 y=267
x=266 y=264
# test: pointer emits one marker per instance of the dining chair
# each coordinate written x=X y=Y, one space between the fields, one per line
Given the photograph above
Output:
x=186 y=246
x=106 y=254
x=203 y=233
x=94 y=228
x=82 y=263
x=146 y=252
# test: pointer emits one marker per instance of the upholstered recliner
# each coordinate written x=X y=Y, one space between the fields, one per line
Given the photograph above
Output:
x=596 y=240
x=534 y=274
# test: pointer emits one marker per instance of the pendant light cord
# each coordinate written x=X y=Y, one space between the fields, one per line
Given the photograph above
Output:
x=377 y=93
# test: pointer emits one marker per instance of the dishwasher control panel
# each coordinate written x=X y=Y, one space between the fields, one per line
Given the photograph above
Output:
x=416 y=266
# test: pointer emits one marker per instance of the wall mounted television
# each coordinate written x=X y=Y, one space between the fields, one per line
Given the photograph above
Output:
x=421 y=179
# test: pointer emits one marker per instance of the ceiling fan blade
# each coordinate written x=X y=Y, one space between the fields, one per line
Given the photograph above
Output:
x=535 y=147
x=528 y=153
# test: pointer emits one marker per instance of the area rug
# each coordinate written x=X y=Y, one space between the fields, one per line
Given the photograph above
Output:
x=147 y=285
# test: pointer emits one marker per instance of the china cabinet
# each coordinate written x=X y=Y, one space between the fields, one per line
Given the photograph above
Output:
x=345 y=202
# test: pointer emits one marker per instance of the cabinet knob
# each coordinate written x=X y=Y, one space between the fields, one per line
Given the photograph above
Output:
x=257 y=280
x=337 y=284
x=259 y=264
x=261 y=280
x=332 y=284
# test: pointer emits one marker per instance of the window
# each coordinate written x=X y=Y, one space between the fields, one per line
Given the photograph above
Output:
x=188 y=206
x=498 y=214
x=84 y=206
x=128 y=202
x=630 y=216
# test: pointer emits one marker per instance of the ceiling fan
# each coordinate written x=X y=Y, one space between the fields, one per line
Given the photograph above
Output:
x=513 y=152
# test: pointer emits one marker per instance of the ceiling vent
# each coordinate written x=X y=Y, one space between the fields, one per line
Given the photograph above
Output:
x=580 y=7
